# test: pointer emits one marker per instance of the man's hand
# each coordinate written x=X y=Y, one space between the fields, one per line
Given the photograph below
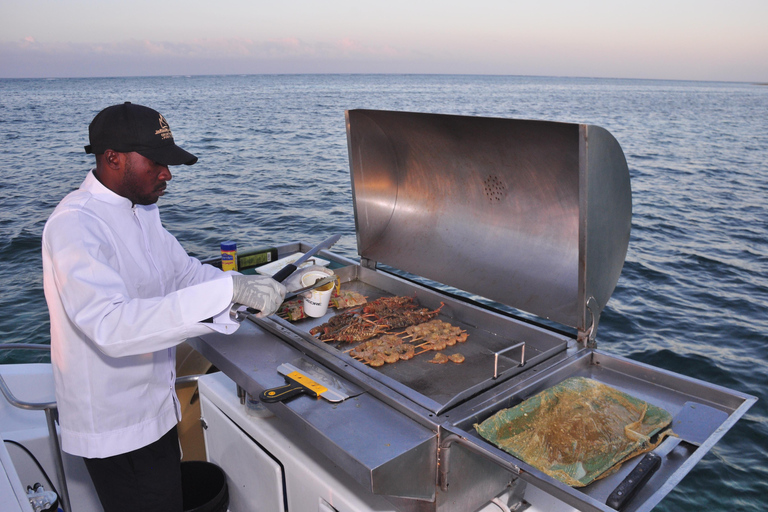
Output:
x=258 y=292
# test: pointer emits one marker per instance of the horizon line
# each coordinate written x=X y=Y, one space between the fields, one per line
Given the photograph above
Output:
x=202 y=75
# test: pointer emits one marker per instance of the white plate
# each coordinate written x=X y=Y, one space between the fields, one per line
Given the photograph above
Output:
x=272 y=268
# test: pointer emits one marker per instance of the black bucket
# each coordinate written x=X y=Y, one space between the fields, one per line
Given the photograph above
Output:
x=204 y=486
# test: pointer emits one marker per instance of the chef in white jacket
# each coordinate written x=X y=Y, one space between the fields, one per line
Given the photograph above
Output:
x=122 y=293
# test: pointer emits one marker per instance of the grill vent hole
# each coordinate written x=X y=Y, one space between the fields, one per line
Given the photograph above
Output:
x=495 y=189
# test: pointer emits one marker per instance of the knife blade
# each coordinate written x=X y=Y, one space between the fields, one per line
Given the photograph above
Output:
x=289 y=269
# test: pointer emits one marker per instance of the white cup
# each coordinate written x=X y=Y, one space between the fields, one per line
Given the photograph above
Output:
x=316 y=304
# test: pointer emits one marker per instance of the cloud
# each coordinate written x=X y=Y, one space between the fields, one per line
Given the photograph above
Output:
x=29 y=58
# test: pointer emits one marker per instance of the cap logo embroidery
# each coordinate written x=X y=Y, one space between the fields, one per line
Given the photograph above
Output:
x=165 y=130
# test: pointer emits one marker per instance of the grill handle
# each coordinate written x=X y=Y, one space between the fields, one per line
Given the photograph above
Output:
x=496 y=355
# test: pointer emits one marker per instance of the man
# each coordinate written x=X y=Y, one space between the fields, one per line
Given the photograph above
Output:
x=122 y=293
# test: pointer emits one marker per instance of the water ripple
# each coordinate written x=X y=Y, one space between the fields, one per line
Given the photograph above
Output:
x=693 y=296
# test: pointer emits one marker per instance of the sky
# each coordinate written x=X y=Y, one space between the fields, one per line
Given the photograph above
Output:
x=654 y=39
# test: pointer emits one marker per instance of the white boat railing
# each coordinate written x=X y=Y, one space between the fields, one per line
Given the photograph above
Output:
x=51 y=414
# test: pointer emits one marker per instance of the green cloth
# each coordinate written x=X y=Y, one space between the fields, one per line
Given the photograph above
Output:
x=577 y=431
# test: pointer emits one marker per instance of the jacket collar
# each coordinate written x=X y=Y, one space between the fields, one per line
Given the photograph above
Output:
x=102 y=193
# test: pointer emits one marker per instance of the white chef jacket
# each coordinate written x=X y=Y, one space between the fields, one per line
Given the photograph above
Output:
x=121 y=293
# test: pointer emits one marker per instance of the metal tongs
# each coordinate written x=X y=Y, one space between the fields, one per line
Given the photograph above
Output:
x=239 y=315
x=317 y=284
x=281 y=275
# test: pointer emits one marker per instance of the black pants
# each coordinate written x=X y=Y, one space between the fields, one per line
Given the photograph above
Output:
x=146 y=480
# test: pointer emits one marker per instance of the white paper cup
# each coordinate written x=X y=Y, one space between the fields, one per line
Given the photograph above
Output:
x=316 y=304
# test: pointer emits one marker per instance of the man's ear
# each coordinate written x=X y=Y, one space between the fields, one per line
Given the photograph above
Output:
x=113 y=159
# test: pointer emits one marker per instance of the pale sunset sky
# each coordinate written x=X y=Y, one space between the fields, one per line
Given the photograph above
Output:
x=670 y=39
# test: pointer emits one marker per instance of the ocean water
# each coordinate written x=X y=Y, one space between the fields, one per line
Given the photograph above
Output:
x=693 y=295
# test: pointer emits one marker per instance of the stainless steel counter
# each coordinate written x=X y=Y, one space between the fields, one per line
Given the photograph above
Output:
x=382 y=449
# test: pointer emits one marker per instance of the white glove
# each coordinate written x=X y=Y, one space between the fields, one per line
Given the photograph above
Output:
x=293 y=282
x=258 y=292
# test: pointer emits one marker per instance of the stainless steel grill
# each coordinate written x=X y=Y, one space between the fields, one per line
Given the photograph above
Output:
x=520 y=229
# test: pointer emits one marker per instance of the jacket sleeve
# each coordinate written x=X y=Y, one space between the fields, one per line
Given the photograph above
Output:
x=97 y=300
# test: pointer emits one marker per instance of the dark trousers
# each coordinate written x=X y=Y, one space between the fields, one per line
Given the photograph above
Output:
x=146 y=480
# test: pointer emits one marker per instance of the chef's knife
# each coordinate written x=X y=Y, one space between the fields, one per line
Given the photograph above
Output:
x=693 y=424
x=289 y=269
x=306 y=377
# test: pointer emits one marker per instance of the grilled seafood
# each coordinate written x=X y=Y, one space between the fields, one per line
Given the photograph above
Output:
x=406 y=351
x=388 y=305
x=369 y=323
x=391 y=356
x=337 y=322
x=389 y=348
x=376 y=360
x=293 y=310
x=398 y=311
x=359 y=329
x=347 y=299
x=435 y=328
x=440 y=358
x=437 y=335
x=407 y=318
x=386 y=313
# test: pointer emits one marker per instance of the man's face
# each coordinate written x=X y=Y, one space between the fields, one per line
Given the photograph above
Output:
x=143 y=180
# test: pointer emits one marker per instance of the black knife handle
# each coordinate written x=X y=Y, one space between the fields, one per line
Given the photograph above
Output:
x=626 y=490
x=281 y=393
x=284 y=272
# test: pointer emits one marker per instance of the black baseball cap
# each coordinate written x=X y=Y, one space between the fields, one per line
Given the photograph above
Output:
x=126 y=128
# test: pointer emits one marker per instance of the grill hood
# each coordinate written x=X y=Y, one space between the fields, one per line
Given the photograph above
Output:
x=531 y=214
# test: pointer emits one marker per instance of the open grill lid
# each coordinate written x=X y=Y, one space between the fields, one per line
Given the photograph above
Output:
x=532 y=214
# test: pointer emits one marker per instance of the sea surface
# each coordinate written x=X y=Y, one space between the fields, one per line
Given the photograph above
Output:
x=273 y=168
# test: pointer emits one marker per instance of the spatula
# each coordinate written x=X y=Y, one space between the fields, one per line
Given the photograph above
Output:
x=693 y=424
x=303 y=376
